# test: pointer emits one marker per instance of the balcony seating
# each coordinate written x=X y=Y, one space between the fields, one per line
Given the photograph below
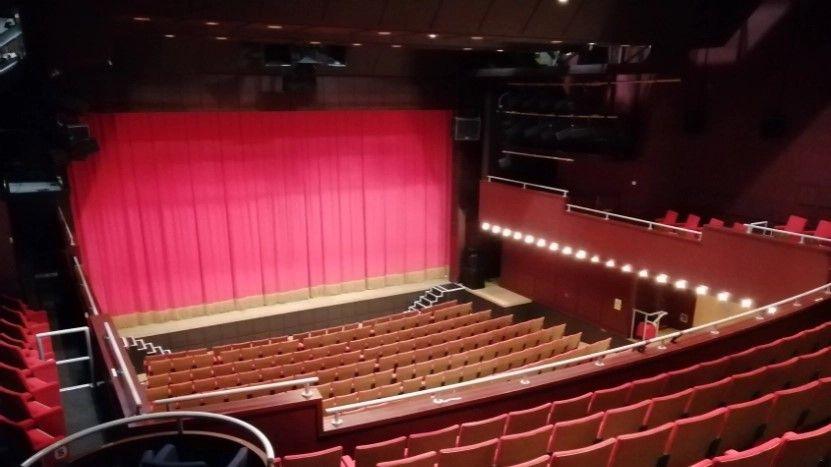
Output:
x=823 y=229
x=371 y=454
x=670 y=218
x=596 y=454
x=31 y=414
x=469 y=455
x=19 y=442
x=327 y=458
x=715 y=222
x=795 y=224
x=420 y=443
x=693 y=438
x=427 y=459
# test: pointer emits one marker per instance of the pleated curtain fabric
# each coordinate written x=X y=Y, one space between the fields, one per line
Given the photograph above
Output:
x=184 y=214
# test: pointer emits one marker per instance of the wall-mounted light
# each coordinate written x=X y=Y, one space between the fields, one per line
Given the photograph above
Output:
x=541 y=243
x=486 y=226
x=610 y=263
x=553 y=246
x=581 y=254
x=529 y=239
x=517 y=235
x=496 y=229
x=746 y=303
x=627 y=268
x=506 y=232
x=567 y=250
x=643 y=273
x=681 y=284
x=662 y=278
x=595 y=259
x=701 y=290
x=723 y=296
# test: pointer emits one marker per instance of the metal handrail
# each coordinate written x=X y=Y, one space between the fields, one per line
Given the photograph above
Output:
x=90 y=298
x=306 y=382
x=525 y=185
x=122 y=366
x=767 y=230
x=650 y=224
x=711 y=327
x=88 y=358
x=66 y=227
x=178 y=415
x=538 y=156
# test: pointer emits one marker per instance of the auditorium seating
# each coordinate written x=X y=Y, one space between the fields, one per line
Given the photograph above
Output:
x=31 y=416
x=795 y=224
x=788 y=395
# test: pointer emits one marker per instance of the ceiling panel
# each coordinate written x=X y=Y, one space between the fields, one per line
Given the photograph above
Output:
x=460 y=16
x=508 y=17
x=551 y=18
x=410 y=15
x=365 y=14
x=593 y=19
x=293 y=11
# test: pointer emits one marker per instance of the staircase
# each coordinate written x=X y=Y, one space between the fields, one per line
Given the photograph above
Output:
x=434 y=294
x=139 y=348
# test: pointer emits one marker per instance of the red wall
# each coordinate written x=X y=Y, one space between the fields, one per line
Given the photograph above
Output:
x=746 y=265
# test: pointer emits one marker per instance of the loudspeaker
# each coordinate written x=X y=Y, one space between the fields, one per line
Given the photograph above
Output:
x=471 y=275
x=466 y=129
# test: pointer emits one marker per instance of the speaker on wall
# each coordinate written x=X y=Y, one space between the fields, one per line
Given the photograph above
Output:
x=466 y=129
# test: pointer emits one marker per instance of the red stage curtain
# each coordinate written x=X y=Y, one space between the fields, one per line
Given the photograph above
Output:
x=196 y=212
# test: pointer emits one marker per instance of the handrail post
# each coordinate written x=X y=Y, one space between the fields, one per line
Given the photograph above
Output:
x=714 y=330
x=599 y=361
x=336 y=419
x=307 y=393
x=524 y=380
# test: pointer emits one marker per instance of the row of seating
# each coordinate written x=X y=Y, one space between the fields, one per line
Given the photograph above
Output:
x=789 y=361
x=795 y=224
x=811 y=448
x=624 y=436
x=294 y=350
x=799 y=224
x=345 y=354
x=31 y=416
x=431 y=312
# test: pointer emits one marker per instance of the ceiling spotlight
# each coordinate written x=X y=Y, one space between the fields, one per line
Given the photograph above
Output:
x=555 y=41
x=723 y=296
x=529 y=239
x=486 y=226
x=500 y=50
x=562 y=2
x=567 y=250
x=681 y=284
x=356 y=44
x=662 y=278
x=221 y=38
x=170 y=36
x=554 y=246
x=643 y=273
x=541 y=243
x=701 y=290
x=610 y=263
x=476 y=38
x=626 y=268
x=142 y=19
x=581 y=254
x=496 y=229
x=274 y=26
x=746 y=303
x=595 y=259
x=517 y=235
x=314 y=42
x=211 y=23
x=432 y=36
x=383 y=33
x=467 y=49
x=506 y=232
x=396 y=46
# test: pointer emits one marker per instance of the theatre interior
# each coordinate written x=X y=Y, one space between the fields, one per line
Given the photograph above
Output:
x=415 y=233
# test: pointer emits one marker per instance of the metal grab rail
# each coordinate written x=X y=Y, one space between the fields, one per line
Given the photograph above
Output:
x=525 y=185
x=606 y=215
x=67 y=229
x=87 y=292
x=58 y=447
x=89 y=357
x=753 y=227
x=537 y=156
x=122 y=367
x=598 y=357
x=306 y=382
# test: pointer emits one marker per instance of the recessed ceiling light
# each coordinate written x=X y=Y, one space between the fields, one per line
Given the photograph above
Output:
x=476 y=38
x=314 y=42
x=500 y=50
x=274 y=26
x=356 y=44
x=211 y=23
x=432 y=36
x=555 y=41
x=383 y=33
x=396 y=46
x=467 y=48
x=221 y=38
x=170 y=36
x=141 y=18
x=562 y=2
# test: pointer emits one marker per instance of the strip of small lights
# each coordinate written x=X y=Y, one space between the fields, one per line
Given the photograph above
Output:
x=580 y=254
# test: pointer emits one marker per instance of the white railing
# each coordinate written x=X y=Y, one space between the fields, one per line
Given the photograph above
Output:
x=525 y=185
x=598 y=357
x=88 y=358
x=651 y=225
x=306 y=382
x=538 y=156
x=87 y=292
x=69 y=236
x=60 y=451
x=756 y=227
x=122 y=366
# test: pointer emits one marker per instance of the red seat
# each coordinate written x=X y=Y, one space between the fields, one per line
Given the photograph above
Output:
x=795 y=224
x=670 y=217
x=31 y=414
x=369 y=455
x=622 y=420
x=807 y=449
x=647 y=388
x=575 y=434
x=605 y=399
x=596 y=454
x=432 y=441
x=529 y=419
x=681 y=379
x=821 y=408
x=714 y=222
x=32 y=366
x=811 y=366
x=522 y=447
x=759 y=456
x=693 y=221
x=14 y=379
x=823 y=229
x=790 y=407
x=569 y=409
x=474 y=455
x=327 y=458
x=541 y=461
x=694 y=438
x=23 y=320
x=426 y=459
x=666 y=409
x=482 y=430
x=745 y=386
x=744 y=423
x=24 y=442
x=645 y=448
